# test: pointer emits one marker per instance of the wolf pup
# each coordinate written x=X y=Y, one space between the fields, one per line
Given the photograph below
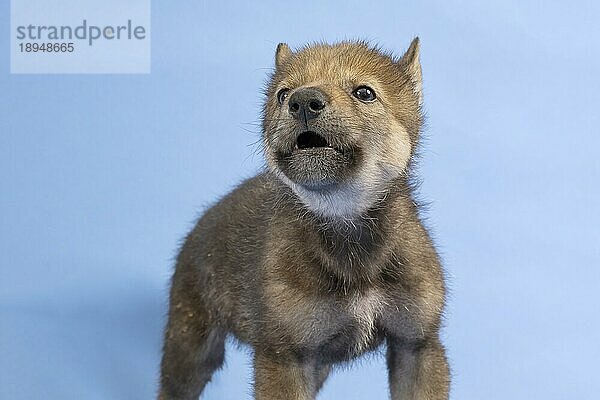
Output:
x=322 y=257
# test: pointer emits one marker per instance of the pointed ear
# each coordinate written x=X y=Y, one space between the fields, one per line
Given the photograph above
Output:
x=411 y=64
x=282 y=54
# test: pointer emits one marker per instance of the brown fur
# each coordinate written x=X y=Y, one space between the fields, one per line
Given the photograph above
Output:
x=323 y=256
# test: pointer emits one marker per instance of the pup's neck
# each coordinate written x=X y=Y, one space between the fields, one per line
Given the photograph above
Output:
x=355 y=247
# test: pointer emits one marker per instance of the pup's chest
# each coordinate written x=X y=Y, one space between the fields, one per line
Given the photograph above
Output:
x=337 y=328
x=358 y=332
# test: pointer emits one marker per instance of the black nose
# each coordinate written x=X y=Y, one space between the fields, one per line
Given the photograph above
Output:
x=307 y=103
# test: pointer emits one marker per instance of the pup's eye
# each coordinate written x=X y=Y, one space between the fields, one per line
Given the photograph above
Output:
x=364 y=93
x=282 y=95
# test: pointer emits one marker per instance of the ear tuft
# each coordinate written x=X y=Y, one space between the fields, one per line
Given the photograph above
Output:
x=412 y=65
x=282 y=54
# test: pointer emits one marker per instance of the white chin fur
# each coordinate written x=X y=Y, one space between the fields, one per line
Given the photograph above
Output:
x=358 y=195
x=346 y=202
x=351 y=199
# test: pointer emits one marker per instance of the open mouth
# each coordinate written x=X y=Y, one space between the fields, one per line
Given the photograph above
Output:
x=311 y=140
x=314 y=162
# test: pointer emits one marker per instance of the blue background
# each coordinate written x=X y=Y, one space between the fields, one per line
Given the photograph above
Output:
x=101 y=176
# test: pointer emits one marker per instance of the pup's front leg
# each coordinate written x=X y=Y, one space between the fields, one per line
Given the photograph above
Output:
x=284 y=377
x=417 y=370
x=194 y=346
